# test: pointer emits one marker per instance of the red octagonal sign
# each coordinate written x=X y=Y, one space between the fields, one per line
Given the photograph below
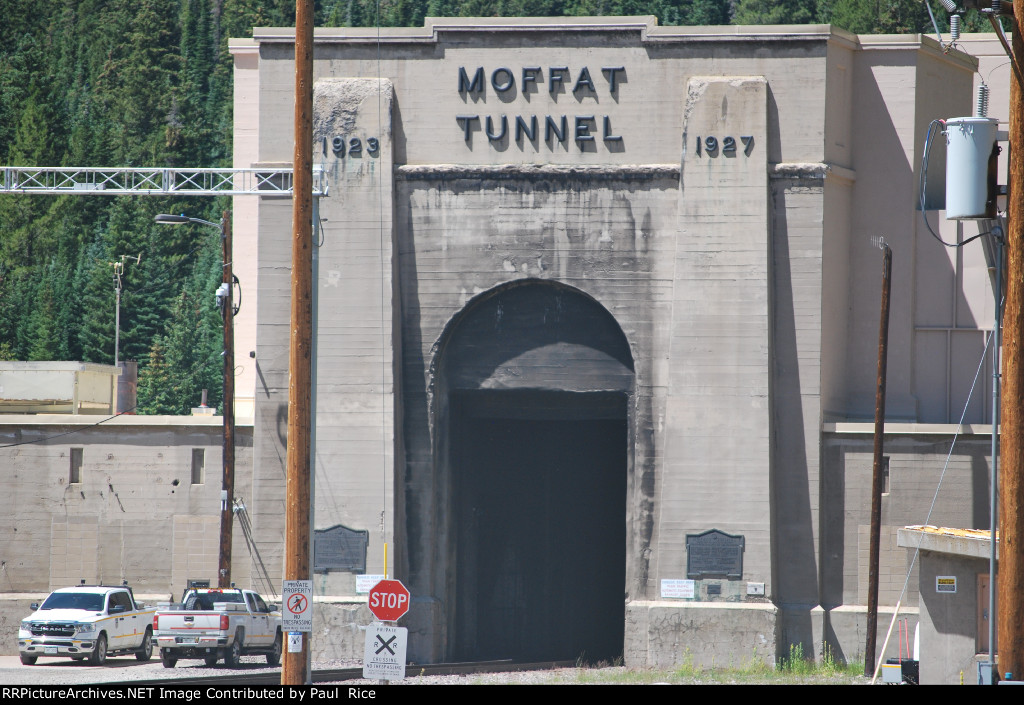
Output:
x=389 y=600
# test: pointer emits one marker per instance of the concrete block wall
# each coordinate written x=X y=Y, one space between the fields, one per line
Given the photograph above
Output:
x=919 y=458
x=845 y=632
x=118 y=521
x=74 y=544
x=196 y=542
x=894 y=567
x=702 y=635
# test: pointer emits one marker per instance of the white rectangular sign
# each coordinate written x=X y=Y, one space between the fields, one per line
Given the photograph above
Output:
x=297 y=606
x=945 y=583
x=677 y=589
x=365 y=583
x=384 y=656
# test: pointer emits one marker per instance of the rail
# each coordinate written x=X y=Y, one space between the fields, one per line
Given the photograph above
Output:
x=262 y=675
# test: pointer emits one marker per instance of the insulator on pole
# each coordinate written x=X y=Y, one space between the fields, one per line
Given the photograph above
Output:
x=950 y=5
x=997 y=7
x=954 y=27
x=981 y=107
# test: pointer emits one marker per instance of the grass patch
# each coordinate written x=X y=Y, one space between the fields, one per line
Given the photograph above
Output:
x=792 y=669
x=797 y=664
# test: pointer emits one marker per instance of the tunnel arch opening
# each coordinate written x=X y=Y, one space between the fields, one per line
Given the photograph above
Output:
x=533 y=395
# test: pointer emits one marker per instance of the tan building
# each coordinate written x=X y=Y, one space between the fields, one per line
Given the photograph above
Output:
x=593 y=288
x=597 y=331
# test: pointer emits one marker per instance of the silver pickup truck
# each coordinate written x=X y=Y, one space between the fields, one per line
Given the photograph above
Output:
x=87 y=621
x=215 y=623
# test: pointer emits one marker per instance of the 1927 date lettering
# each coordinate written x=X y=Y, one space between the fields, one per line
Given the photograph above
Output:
x=711 y=147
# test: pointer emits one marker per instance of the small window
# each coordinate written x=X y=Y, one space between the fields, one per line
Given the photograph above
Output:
x=198 y=465
x=75 y=474
x=885 y=475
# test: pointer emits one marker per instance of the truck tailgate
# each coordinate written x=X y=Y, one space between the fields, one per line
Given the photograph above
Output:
x=188 y=621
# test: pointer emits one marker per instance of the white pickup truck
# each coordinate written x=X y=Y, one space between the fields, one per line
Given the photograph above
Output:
x=87 y=621
x=214 y=623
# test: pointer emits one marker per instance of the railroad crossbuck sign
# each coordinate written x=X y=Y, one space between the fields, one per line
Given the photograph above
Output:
x=389 y=600
x=384 y=656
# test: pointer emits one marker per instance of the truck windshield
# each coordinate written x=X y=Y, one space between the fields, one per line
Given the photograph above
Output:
x=73 y=601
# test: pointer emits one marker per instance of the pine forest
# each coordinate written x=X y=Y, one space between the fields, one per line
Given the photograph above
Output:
x=148 y=83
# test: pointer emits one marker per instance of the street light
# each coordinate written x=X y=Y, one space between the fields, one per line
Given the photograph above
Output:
x=224 y=300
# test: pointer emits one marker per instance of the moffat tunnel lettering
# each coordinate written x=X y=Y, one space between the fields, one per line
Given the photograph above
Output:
x=551 y=130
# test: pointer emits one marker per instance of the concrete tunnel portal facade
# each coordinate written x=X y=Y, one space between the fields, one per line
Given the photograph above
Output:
x=592 y=354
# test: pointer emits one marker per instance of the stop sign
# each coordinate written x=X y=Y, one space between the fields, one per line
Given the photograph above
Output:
x=389 y=600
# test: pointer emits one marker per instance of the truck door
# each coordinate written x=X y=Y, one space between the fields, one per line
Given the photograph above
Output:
x=121 y=620
x=260 y=623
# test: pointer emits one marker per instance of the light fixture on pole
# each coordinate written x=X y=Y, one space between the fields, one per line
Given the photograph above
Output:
x=228 y=311
x=118 y=286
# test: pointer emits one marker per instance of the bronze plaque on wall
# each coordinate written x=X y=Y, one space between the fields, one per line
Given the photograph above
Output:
x=714 y=553
x=340 y=548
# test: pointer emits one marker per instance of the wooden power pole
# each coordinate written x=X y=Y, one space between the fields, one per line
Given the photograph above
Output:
x=227 y=489
x=877 y=480
x=295 y=669
x=1010 y=631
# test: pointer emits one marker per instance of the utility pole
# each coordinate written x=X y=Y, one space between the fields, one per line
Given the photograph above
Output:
x=225 y=302
x=296 y=665
x=228 y=480
x=118 y=286
x=876 y=473
x=1010 y=631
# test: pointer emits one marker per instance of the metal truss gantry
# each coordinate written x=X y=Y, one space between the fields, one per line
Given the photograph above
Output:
x=150 y=181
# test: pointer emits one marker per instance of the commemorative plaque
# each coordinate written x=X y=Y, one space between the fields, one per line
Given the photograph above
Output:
x=714 y=553
x=340 y=548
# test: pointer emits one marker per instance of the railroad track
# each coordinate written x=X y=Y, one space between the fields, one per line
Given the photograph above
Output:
x=266 y=676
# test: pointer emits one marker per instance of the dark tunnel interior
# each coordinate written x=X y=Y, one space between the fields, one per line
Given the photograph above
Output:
x=540 y=522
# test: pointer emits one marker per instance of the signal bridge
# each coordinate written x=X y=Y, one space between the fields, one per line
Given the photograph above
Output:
x=154 y=181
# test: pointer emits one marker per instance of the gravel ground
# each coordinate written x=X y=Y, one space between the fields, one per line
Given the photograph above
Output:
x=120 y=669
x=128 y=669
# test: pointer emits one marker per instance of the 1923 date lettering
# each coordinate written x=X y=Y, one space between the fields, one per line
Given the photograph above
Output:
x=352 y=147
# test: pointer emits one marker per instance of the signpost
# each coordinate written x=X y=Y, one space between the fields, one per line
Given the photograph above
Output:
x=384 y=655
x=389 y=600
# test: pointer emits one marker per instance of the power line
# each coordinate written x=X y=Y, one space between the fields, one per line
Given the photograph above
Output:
x=68 y=433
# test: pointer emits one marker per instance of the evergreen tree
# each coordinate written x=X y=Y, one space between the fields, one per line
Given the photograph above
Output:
x=155 y=393
x=775 y=12
x=182 y=361
x=94 y=284
x=881 y=16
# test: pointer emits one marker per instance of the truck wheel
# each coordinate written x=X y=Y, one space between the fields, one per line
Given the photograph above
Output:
x=274 y=655
x=28 y=660
x=233 y=656
x=210 y=660
x=99 y=654
x=167 y=659
x=145 y=651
